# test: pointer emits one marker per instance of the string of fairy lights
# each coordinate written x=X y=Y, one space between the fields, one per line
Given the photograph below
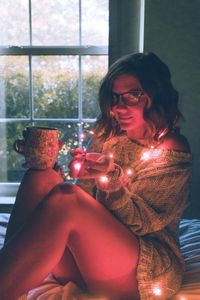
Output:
x=151 y=153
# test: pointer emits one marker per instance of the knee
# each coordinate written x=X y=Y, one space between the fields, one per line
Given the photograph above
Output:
x=61 y=203
x=68 y=189
x=67 y=197
x=62 y=194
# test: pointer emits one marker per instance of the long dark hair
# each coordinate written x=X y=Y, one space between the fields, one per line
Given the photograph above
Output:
x=154 y=75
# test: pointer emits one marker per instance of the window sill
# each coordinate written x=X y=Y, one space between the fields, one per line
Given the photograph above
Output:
x=8 y=193
x=6 y=204
x=8 y=189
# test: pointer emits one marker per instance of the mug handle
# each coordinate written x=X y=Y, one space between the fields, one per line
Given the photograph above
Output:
x=18 y=146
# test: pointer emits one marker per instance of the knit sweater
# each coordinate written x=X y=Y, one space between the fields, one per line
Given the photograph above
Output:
x=150 y=205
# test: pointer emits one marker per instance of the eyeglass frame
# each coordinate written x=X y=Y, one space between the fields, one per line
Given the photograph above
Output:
x=124 y=99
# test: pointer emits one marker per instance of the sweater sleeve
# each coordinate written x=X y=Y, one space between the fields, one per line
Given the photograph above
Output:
x=155 y=197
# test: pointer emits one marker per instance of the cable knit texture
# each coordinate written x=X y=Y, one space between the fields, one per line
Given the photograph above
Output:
x=150 y=205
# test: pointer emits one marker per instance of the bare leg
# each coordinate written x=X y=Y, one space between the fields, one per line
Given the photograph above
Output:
x=67 y=270
x=34 y=187
x=105 y=251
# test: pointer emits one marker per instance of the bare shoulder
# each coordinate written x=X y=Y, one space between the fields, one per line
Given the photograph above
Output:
x=177 y=142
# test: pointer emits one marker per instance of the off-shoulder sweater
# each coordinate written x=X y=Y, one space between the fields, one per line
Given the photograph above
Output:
x=150 y=205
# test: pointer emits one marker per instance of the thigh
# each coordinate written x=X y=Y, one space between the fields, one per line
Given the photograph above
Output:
x=102 y=246
x=67 y=270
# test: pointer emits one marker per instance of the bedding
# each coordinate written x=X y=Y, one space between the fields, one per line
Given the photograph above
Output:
x=190 y=248
x=4 y=218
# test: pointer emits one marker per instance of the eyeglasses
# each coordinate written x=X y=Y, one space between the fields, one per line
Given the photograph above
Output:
x=131 y=98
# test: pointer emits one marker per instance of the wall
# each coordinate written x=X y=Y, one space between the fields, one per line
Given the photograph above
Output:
x=124 y=28
x=172 y=30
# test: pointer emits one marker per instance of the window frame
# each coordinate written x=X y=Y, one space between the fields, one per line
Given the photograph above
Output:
x=9 y=189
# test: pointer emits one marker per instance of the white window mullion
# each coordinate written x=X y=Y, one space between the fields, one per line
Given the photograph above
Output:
x=31 y=100
x=30 y=22
x=53 y=50
x=80 y=94
x=25 y=120
x=31 y=103
x=80 y=23
x=80 y=103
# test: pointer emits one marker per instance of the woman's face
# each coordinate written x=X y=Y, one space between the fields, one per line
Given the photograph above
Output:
x=129 y=117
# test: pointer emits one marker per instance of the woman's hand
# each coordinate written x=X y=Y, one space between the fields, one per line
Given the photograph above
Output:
x=89 y=165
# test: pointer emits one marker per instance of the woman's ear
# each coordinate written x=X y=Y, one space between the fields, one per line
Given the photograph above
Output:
x=112 y=114
x=148 y=101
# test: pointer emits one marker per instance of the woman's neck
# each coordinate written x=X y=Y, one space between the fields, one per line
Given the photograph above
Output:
x=140 y=136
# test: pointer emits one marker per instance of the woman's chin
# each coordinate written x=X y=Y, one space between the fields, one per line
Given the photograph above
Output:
x=126 y=126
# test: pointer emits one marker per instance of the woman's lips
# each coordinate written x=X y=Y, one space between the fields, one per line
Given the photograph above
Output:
x=124 y=118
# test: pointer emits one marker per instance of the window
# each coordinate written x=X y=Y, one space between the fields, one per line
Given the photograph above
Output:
x=53 y=55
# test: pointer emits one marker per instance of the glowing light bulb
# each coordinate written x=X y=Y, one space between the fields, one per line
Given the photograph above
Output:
x=151 y=154
x=77 y=166
x=157 y=291
x=182 y=298
x=111 y=155
x=146 y=155
x=91 y=132
x=103 y=179
x=129 y=172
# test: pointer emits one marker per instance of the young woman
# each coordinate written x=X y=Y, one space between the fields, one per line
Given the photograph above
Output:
x=114 y=233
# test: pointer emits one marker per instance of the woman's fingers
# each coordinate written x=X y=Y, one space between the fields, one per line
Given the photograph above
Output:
x=78 y=152
x=89 y=165
x=102 y=164
x=89 y=173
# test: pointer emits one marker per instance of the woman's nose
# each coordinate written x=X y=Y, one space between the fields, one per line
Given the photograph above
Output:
x=121 y=103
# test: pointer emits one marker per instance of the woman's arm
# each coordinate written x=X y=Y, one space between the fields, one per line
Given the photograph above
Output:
x=88 y=184
x=153 y=200
x=156 y=195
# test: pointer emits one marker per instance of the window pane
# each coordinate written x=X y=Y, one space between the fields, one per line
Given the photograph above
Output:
x=58 y=84
x=14 y=22
x=55 y=22
x=86 y=133
x=11 y=162
x=95 y=22
x=55 y=86
x=14 y=87
x=94 y=68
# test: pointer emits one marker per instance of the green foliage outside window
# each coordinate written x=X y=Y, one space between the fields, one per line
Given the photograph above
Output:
x=56 y=100
x=49 y=86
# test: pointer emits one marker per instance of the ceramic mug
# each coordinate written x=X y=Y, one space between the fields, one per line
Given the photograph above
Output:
x=40 y=147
